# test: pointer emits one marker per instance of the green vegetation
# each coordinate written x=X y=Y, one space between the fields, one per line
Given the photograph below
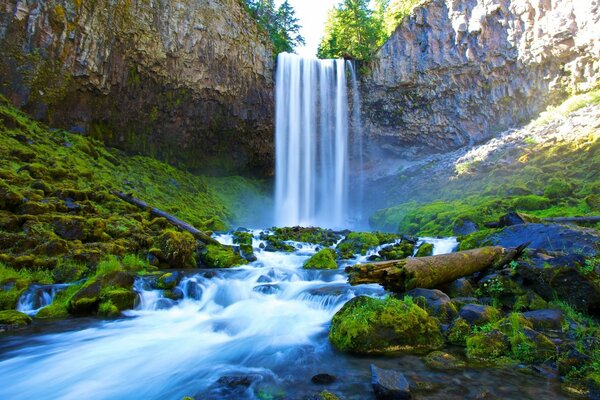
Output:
x=545 y=179
x=59 y=217
x=355 y=30
x=280 y=22
x=323 y=237
x=14 y=318
x=360 y=242
x=323 y=259
x=220 y=257
x=367 y=325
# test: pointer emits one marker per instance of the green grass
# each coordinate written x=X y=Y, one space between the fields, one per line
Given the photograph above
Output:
x=543 y=179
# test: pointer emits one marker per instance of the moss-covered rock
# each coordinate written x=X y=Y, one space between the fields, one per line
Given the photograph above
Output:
x=487 y=345
x=425 y=250
x=443 y=361
x=244 y=240
x=367 y=325
x=219 y=256
x=398 y=251
x=177 y=249
x=458 y=332
x=359 y=242
x=276 y=244
x=322 y=237
x=323 y=259
x=87 y=299
x=116 y=298
x=13 y=319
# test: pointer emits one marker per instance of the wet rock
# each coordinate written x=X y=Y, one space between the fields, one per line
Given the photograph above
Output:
x=487 y=345
x=476 y=314
x=264 y=279
x=169 y=280
x=323 y=259
x=550 y=237
x=464 y=227
x=267 y=289
x=389 y=384
x=435 y=302
x=398 y=251
x=442 y=360
x=460 y=288
x=11 y=319
x=234 y=380
x=545 y=320
x=323 y=379
x=88 y=298
x=192 y=290
x=175 y=294
x=425 y=250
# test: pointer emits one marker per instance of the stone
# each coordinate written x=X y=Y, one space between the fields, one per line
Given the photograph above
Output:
x=435 y=301
x=389 y=384
x=460 y=288
x=203 y=92
x=443 y=361
x=476 y=314
x=11 y=319
x=267 y=288
x=546 y=320
x=169 y=280
x=323 y=379
x=464 y=227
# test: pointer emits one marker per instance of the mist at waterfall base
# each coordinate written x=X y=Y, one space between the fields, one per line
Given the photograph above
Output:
x=318 y=143
x=254 y=332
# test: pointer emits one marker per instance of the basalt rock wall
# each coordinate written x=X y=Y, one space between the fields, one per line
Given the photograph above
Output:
x=458 y=71
x=186 y=81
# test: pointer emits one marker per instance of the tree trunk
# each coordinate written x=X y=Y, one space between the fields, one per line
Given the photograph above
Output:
x=574 y=220
x=198 y=234
x=430 y=272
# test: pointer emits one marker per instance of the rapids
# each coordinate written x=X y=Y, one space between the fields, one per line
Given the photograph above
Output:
x=266 y=322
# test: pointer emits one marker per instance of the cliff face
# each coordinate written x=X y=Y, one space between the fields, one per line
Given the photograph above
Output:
x=187 y=81
x=458 y=71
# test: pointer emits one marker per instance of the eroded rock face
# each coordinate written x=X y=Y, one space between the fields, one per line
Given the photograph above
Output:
x=189 y=82
x=459 y=71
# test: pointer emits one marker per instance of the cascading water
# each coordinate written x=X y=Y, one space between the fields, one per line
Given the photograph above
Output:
x=313 y=151
x=37 y=297
x=254 y=332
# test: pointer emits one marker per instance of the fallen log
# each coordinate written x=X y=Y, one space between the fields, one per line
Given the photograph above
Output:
x=198 y=234
x=430 y=272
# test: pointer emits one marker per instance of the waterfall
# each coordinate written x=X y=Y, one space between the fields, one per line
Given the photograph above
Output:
x=312 y=141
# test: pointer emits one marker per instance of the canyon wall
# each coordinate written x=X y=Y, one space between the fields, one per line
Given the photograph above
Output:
x=456 y=72
x=186 y=81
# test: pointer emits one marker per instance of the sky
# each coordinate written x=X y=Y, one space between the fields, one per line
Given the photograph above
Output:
x=312 y=15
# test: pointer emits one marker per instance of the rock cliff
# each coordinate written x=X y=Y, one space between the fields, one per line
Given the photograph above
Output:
x=457 y=71
x=187 y=81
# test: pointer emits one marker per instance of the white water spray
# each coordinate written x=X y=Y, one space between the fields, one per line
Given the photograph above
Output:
x=312 y=141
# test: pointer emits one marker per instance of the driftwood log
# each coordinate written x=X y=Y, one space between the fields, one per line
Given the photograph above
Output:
x=574 y=220
x=198 y=234
x=430 y=272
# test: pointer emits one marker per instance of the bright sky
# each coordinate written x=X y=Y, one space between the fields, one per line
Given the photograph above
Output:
x=312 y=15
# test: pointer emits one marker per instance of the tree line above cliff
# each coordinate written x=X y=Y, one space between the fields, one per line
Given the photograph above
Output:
x=357 y=28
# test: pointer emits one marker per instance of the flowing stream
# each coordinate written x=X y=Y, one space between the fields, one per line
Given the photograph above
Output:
x=255 y=332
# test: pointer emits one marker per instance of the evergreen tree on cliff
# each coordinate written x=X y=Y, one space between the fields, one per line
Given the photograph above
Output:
x=280 y=22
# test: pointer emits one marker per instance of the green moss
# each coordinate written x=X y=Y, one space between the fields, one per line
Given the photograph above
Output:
x=178 y=249
x=425 y=250
x=218 y=256
x=398 y=251
x=531 y=203
x=14 y=318
x=108 y=309
x=458 y=332
x=119 y=298
x=322 y=237
x=59 y=307
x=361 y=242
x=323 y=259
x=487 y=345
x=367 y=325
x=244 y=240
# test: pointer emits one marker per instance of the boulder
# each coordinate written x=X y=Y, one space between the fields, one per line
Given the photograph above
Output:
x=323 y=379
x=476 y=314
x=366 y=325
x=11 y=319
x=435 y=301
x=546 y=320
x=460 y=288
x=464 y=227
x=550 y=237
x=323 y=259
x=389 y=384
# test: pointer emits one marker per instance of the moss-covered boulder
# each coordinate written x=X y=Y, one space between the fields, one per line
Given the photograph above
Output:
x=219 y=256
x=177 y=249
x=168 y=281
x=458 y=331
x=113 y=300
x=443 y=361
x=276 y=244
x=322 y=237
x=100 y=289
x=398 y=251
x=487 y=345
x=425 y=250
x=367 y=325
x=361 y=242
x=13 y=319
x=244 y=240
x=323 y=259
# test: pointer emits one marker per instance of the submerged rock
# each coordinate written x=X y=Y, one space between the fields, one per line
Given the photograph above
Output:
x=389 y=384
x=323 y=379
x=442 y=360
